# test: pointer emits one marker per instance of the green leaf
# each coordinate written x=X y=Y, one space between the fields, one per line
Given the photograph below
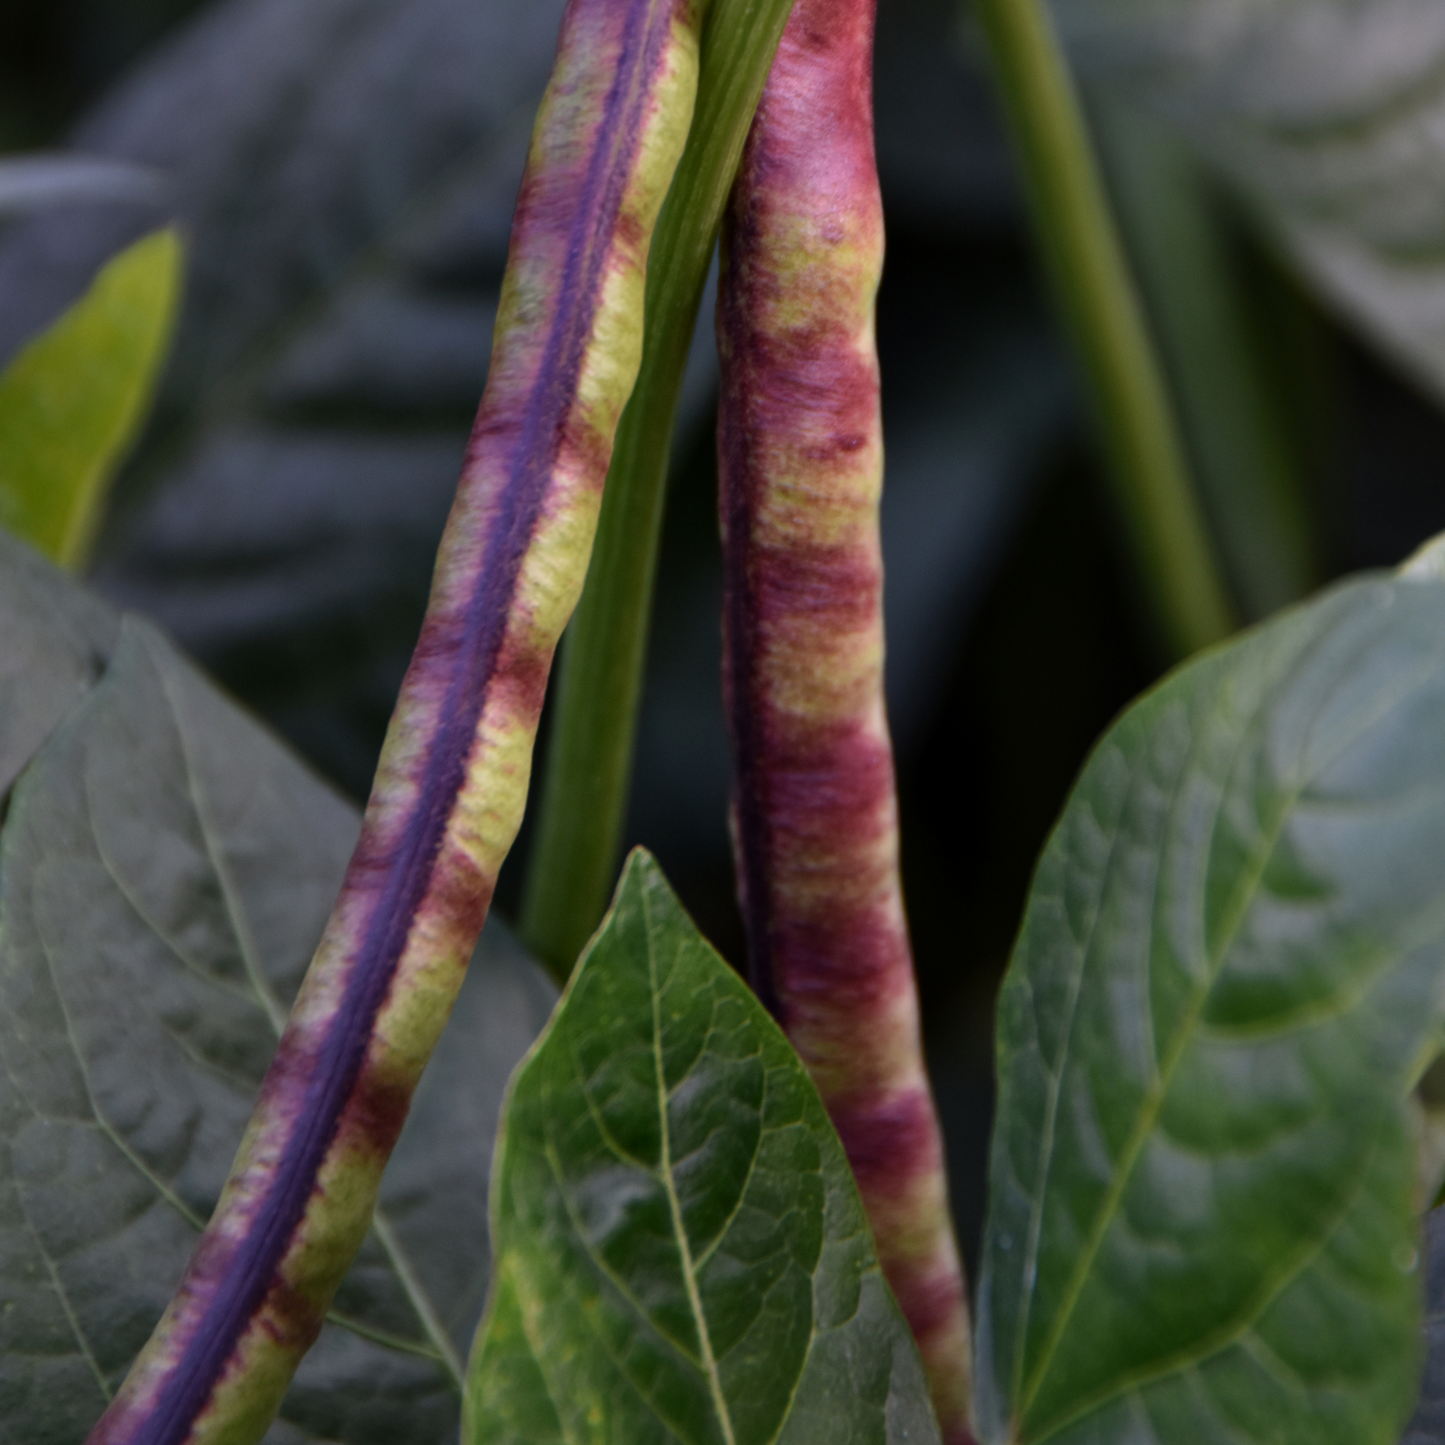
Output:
x=165 y=871
x=681 y=1251
x=1201 y=1223
x=1319 y=113
x=73 y=400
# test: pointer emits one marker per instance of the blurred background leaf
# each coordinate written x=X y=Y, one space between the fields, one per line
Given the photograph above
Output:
x=72 y=400
x=1246 y=470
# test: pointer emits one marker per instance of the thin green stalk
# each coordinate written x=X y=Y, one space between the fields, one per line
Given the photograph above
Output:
x=1239 y=444
x=589 y=756
x=1103 y=315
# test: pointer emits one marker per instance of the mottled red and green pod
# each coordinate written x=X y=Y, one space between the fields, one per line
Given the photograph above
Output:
x=453 y=777
x=815 y=814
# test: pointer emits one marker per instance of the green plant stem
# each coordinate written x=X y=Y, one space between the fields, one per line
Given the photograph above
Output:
x=1238 y=441
x=1103 y=315
x=589 y=755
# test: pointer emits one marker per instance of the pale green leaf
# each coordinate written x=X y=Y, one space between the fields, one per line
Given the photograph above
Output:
x=681 y=1253
x=72 y=401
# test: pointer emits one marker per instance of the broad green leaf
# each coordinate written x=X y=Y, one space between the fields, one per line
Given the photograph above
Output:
x=1326 y=114
x=1201 y=1222
x=165 y=872
x=681 y=1253
x=72 y=401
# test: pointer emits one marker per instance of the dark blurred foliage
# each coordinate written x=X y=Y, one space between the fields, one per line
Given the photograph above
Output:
x=345 y=169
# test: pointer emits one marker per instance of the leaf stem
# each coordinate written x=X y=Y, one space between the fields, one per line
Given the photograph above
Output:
x=589 y=755
x=1102 y=313
x=1248 y=476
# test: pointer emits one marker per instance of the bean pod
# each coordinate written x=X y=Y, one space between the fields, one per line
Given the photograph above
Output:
x=814 y=810
x=453 y=777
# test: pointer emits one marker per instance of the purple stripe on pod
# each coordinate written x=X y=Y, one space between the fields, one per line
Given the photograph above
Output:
x=453 y=776
x=814 y=811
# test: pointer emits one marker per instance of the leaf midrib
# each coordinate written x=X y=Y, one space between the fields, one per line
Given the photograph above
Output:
x=689 y=1275
x=1153 y=1098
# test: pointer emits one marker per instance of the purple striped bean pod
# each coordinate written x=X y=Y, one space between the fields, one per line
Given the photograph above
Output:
x=814 y=810
x=453 y=776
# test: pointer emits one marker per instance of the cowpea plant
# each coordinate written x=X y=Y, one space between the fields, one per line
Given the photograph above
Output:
x=715 y=1213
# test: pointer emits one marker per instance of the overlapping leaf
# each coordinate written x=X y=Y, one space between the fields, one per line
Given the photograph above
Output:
x=681 y=1251
x=1202 y=1219
x=1328 y=114
x=165 y=871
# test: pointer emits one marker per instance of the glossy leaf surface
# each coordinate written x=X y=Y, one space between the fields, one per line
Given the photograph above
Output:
x=1327 y=114
x=681 y=1251
x=72 y=401
x=165 y=871
x=1202 y=1222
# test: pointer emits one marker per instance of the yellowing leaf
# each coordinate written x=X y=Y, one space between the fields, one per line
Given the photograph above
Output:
x=73 y=399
